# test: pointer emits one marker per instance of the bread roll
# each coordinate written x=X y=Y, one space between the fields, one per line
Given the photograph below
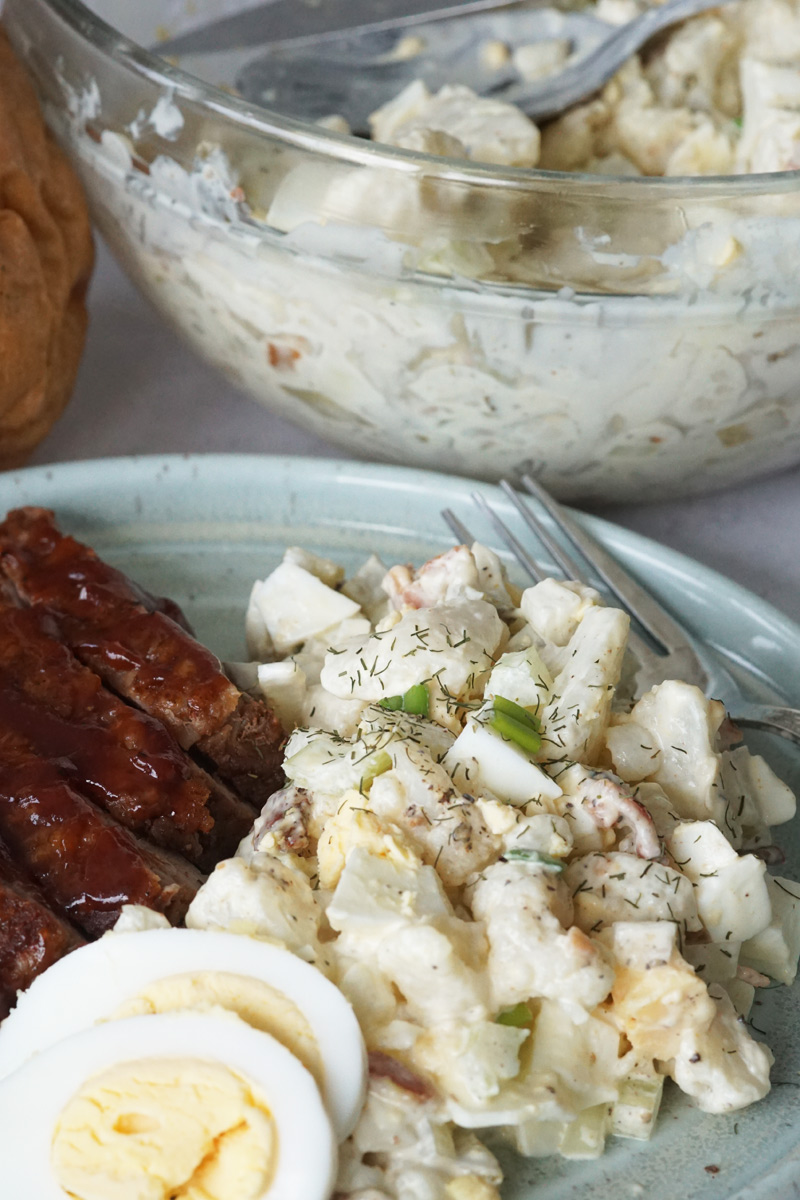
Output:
x=46 y=258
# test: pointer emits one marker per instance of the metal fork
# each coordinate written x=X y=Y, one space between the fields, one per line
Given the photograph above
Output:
x=678 y=656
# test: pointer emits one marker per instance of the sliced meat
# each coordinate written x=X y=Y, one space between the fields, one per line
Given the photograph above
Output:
x=248 y=750
x=142 y=653
x=123 y=759
x=32 y=936
x=85 y=864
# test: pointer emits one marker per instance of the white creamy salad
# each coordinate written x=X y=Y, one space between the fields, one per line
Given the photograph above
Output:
x=618 y=346
x=539 y=900
x=716 y=95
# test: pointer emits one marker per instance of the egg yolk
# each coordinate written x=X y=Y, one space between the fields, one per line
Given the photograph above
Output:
x=261 y=1006
x=165 y=1129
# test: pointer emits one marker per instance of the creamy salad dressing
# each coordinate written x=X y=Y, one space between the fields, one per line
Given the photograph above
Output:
x=540 y=901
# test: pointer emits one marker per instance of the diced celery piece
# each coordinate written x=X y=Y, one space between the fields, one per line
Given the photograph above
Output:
x=585 y=1137
x=634 y=1114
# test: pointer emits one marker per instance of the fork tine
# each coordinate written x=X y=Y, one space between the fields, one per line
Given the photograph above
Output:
x=560 y=556
x=526 y=561
x=457 y=528
x=648 y=612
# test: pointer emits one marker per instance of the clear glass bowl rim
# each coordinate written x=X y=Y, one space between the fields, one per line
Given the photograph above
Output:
x=315 y=139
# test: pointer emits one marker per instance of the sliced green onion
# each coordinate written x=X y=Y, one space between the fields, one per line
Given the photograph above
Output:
x=512 y=709
x=516 y=731
x=520 y=854
x=376 y=765
x=414 y=701
x=517 y=1017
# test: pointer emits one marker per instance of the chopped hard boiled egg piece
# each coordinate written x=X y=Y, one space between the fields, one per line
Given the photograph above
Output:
x=294 y=605
x=775 y=949
x=480 y=757
x=730 y=889
x=162 y=1107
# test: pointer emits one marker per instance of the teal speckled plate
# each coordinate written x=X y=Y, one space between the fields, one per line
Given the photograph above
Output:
x=202 y=528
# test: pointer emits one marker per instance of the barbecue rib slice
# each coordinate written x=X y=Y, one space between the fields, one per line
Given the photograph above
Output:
x=144 y=655
x=123 y=759
x=86 y=866
x=31 y=935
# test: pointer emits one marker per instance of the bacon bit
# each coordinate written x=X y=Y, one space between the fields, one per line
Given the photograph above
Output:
x=711 y=1169
x=93 y=133
x=283 y=358
x=237 y=195
x=753 y=977
x=384 y=1066
x=407 y=588
x=773 y=856
x=285 y=815
x=140 y=165
x=729 y=734
x=609 y=802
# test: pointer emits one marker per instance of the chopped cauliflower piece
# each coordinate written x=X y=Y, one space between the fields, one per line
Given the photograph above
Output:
x=574 y=721
x=262 y=898
x=489 y=130
x=521 y=676
x=633 y=752
x=365 y=588
x=683 y=724
x=537 y=60
x=555 y=608
x=720 y=1065
x=533 y=951
x=750 y=784
x=135 y=918
x=450 y=648
x=614 y=887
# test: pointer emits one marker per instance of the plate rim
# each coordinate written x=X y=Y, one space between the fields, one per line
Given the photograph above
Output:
x=610 y=533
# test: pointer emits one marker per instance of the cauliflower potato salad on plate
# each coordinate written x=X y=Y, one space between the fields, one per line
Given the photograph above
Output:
x=541 y=900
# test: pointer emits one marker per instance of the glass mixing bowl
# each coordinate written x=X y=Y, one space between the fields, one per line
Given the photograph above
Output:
x=622 y=338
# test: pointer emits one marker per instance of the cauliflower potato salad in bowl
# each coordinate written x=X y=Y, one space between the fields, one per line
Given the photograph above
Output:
x=609 y=302
x=541 y=899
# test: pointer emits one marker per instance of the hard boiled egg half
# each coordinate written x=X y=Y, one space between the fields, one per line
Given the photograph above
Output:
x=157 y=971
x=179 y=1106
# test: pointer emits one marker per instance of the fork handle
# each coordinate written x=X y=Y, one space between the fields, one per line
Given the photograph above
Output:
x=772 y=718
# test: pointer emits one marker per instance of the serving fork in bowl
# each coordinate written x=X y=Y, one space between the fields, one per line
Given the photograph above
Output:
x=661 y=646
x=315 y=59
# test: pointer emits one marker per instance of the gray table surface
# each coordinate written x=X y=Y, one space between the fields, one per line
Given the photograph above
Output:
x=141 y=391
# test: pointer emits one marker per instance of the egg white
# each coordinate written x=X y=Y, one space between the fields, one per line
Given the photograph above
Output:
x=33 y=1097
x=90 y=984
